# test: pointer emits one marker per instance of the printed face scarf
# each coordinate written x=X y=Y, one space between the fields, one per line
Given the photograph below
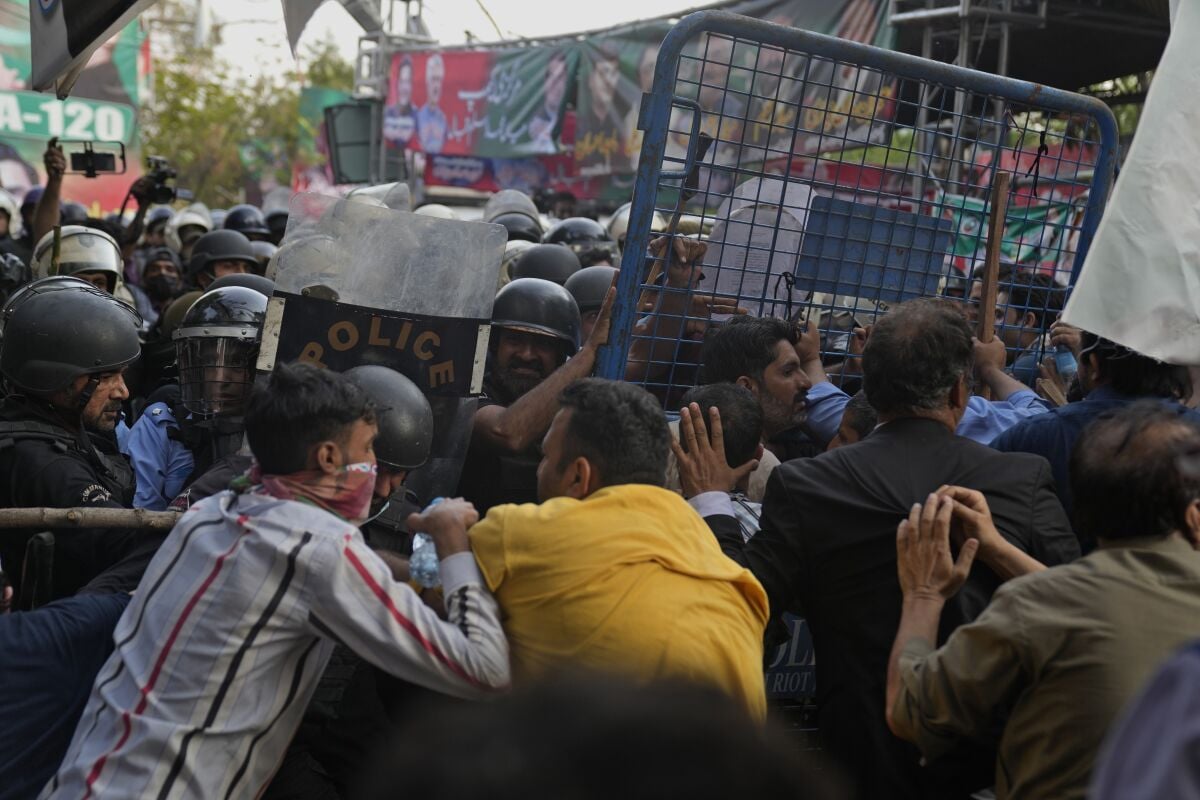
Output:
x=349 y=496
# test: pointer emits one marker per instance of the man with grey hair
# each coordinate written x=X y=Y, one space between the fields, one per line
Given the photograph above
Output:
x=827 y=545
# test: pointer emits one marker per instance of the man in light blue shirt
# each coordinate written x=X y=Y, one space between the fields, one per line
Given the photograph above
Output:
x=161 y=461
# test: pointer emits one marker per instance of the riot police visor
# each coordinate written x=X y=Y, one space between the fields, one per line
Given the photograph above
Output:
x=215 y=374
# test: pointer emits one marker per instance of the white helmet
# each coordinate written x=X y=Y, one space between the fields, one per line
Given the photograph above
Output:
x=437 y=210
x=512 y=252
x=618 y=224
x=9 y=205
x=366 y=200
x=196 y=215
x=81 y=249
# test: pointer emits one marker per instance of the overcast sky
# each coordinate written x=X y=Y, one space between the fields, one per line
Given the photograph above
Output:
x=254 y=37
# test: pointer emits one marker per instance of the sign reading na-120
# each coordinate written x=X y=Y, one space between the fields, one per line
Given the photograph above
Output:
x=42 y=117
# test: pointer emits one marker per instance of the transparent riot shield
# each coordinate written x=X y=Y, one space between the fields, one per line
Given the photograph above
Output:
x=362 y=284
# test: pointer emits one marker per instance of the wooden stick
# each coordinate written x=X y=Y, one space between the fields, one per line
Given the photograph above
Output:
x=986 y=325
x=56 y=250
x=1050 y=391
x=88 y=518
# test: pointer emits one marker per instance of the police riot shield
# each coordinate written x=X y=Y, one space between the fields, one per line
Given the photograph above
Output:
x=361 y=284
x=395 y=195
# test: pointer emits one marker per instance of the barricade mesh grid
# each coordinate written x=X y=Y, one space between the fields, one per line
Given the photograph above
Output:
x=840 y=180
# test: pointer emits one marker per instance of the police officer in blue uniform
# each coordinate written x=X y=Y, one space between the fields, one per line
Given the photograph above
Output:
x=199 y=422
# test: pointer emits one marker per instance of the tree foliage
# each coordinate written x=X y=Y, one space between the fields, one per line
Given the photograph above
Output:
x=230 y=136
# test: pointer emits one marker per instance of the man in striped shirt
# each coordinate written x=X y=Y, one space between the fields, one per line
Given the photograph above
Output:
x=229 y=631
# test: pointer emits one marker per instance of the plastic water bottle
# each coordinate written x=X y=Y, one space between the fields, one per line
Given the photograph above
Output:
x=423 y=563
x=1065 y=361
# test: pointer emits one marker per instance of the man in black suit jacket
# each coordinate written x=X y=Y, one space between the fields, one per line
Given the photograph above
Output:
x=827 y=545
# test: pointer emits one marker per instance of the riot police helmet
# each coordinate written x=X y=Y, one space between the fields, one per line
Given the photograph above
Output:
x=509 y=201
x=402 y=413
x=247 y=280
x=59 y=330
x=265 y=252
x=159 y=215
x=222 y=245
x=587 y=238
x=520 y=226
x=73 y=213
x=538 y=306
x=247 y=220
x=437 y=211
x=551 y=262
x=184 y=228
x=618 y=224
x=589 y=286
x=216 y=346
x=81 y=250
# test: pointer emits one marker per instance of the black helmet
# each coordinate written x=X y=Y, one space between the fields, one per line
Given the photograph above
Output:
x=247 y=280
x=551 y=262
x=587 y=238
x=246 y=219
x=277 y=220
x=265 y=252
x=589 y=286
x=60 y=329
x=73 y=213
x=538 y=306
x=403 y=414
x=220 y=245
x=221 y=331
x=520 y=226
x=159 y=215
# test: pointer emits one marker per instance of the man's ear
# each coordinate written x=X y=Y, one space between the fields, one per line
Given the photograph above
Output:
x=579 y=477
x=746 y=382
x=959 y=393
x=328 y=457
x=1029 y=320
x=1192 y=517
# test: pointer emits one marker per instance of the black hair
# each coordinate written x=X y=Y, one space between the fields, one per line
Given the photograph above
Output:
x=859 y=415
x=743 y=346
x=1134 y=473
x=619 y=428
x=619 y=740
x=1032 y=292
x=1133 y=374
x=915 y=355
x=300 y=406
x=741 y=418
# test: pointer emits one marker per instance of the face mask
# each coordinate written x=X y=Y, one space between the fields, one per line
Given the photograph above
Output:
x=349 y=496
x=162 y=287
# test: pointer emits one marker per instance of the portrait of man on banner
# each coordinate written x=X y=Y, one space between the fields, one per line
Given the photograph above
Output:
x=431 y=119
x=546 y=123
x=607 y=97
x=400 y=117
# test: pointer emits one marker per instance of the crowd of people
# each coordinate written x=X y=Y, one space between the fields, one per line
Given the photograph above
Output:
x=1000 y=590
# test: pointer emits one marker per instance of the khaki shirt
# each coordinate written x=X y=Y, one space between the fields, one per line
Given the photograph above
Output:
x=1057 y=654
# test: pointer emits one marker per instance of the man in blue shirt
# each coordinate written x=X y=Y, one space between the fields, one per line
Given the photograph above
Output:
x=1111 y=377
x=1026 y=304
x=216 y=348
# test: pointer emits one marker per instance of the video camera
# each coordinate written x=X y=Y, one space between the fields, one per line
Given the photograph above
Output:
x=159 y=170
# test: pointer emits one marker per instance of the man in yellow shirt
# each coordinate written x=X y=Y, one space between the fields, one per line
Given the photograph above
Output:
x=612 y=572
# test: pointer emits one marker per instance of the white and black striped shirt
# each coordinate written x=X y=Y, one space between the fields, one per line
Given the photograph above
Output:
x=222 y=646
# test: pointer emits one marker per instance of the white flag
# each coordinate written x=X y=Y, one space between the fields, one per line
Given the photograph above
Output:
x=1140 y=284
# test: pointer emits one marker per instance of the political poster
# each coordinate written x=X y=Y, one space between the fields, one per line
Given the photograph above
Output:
x=475 y=111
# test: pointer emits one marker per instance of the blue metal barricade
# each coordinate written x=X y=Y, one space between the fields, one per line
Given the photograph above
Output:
x=833 y=179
